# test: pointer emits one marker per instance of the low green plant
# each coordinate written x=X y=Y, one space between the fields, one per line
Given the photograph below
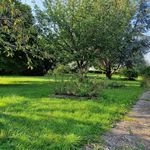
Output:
x=62 y=69
x=49 y=73
x=146 y=76
x=145 y=82
x=146 y=72
x=131 y=74
x=74 y=87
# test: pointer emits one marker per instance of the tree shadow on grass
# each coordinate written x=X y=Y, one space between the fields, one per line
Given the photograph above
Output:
x=39 y=124
x=38 y=120
x=30 y=90
x=41 y=127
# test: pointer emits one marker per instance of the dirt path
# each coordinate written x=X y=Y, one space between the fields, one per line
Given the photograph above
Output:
x=133 y=133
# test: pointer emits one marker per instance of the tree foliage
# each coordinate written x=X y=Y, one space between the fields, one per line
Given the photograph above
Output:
x=72 y=26
x=103 y=34
x=17 y=33
x=113 y=21
x=83 y=31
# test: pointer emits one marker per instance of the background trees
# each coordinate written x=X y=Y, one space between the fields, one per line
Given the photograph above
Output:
x=113 y=17
x=16 y=22
x=18 y=43
x=138 y=43
x=88 y=32
x=21 y=49
x=103 y=34
x=72 y=26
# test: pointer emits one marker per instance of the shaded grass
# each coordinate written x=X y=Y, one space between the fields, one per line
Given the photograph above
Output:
x=30 y=120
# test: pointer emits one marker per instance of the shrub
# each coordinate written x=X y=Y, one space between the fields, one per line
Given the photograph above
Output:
x=131 y=74
x=146 y=76
x=49 y=73
x=61 y=69
x=145 y=82
x=74 y=87
x=146 y=72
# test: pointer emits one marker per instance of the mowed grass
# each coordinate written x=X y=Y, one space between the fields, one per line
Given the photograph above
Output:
x=30 y=120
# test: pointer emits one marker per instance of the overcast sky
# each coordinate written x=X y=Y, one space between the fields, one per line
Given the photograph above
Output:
x=39 y=3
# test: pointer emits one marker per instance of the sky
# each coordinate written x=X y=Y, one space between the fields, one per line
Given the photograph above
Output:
x=30 y=2
x=147 y=58
x=39 y=3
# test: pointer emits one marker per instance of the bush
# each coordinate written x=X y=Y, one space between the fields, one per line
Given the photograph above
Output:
x=74 y=87
x=146 y=72
x=146 y=76
x=61 y=69
x=49 y=73
x=145 y=83
x=131 y=74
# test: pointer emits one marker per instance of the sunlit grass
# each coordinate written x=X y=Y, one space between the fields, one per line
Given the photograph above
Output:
x=30 y=120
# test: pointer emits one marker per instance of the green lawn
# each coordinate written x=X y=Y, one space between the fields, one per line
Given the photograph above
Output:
x=30 y=120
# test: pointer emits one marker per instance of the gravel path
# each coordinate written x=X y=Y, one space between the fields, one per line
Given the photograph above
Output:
x=132 y=133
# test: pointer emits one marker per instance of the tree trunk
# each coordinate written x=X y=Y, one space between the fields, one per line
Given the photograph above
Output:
x=82 y=71
x=108 y=71
x=108 y=75
x=82 y=74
